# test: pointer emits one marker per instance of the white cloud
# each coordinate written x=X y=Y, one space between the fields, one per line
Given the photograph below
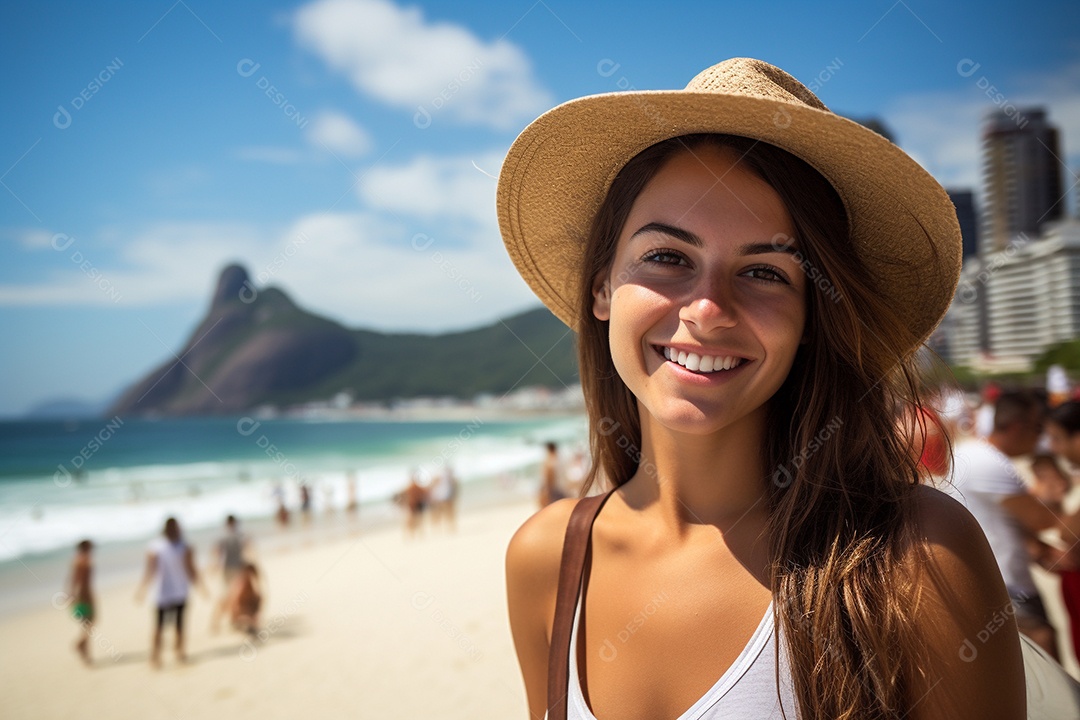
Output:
x=163 y=263
x=31 y=239
x=368 y=272
x=431 y=69
x=359 y=268
x=941 y=131
x=339 y=134
x=431 y=187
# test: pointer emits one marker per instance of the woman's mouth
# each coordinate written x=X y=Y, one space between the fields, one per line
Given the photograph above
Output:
x=699 y=363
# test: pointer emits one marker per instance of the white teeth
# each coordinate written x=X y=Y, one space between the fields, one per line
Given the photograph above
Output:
x=701 y=363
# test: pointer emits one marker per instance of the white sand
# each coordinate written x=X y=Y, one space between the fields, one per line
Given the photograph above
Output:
x=366 y=626
x=370 y=626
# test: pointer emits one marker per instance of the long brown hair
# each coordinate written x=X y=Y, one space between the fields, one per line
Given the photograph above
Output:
x=841 y=477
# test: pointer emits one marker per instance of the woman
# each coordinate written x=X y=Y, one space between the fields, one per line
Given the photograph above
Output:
x=170 y=563
x=747 y=320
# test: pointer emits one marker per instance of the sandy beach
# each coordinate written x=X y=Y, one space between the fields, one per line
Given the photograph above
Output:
x=369 y=625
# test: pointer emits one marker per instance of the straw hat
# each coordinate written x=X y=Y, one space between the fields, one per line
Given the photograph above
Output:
x=559 y=169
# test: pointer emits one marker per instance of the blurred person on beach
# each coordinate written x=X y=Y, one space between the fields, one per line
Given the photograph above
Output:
x=1063 y=430
x=985 y=479
x=305 y=502
x=443 y=494
x=245 y=599
x=281 y=515
x=1058 y=386
x=576 y=472
x=551 y=486
x=232 y=551
x=1051 y=485
x=170 y=565
x=79 y=590
x=352 y=505
x=929 y=440
x=749 y=300
x=984 y=414
x=953 y=411
x=415 y=499
x=328 y=498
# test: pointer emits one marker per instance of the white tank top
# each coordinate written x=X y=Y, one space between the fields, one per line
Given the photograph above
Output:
x=171 y=572
x=747 y=690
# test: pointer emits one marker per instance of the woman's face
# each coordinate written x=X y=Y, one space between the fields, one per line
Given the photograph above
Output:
x=1062 y=444
x=705 y=297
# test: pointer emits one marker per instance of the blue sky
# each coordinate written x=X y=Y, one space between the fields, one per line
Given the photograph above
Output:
x=345 y=150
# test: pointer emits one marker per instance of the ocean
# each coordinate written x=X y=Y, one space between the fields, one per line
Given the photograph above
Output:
x=115 y=480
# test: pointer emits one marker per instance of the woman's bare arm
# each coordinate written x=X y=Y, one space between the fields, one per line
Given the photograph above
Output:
x=532 y=577
x=976 y=667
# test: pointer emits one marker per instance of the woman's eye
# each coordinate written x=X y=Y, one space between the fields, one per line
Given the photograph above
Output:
x=766 y=274
x=665 y=257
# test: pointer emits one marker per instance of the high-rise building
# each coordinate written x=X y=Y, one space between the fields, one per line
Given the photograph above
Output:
x=964 y=201
x=1021 y=177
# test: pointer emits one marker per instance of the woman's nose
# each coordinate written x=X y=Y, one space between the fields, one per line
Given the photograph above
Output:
x=708 y=307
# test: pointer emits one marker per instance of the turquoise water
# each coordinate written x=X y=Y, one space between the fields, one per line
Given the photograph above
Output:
x=116 y=480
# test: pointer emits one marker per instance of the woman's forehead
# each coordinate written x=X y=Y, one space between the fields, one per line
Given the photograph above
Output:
x=710 y=190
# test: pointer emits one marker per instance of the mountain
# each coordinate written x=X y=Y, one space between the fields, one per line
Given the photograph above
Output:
x=255 y=347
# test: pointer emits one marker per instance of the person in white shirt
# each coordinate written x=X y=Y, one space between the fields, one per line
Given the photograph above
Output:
x=170 y=562
x=985 y=480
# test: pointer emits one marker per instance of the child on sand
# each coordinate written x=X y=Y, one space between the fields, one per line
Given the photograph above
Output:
x=82 y=598
x=244 y=600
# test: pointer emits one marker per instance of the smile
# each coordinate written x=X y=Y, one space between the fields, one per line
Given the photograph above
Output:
x=701 y=363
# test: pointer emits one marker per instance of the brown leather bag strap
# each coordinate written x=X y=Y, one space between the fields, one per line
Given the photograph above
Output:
x=575 y=550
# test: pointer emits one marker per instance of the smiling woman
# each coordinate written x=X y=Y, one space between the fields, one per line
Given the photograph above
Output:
x=695 y=276
x=750 y=279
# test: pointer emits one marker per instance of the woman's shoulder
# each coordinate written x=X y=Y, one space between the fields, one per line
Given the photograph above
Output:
x=535 y=550
x=949 y=538
x=942 y=521
x=962 y=609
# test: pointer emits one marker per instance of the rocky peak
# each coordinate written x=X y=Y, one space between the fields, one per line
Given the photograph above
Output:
x=233 y=284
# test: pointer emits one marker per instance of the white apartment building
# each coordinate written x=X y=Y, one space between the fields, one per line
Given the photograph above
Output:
x=1013 y=304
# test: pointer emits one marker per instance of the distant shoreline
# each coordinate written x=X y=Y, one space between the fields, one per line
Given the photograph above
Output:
x=449 y=413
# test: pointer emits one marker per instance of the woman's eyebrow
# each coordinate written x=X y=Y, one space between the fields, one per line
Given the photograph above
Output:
x=691 y=239
x=763 y=248
x=676 y=232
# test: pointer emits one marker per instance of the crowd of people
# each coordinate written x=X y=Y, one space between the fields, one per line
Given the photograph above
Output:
x=1010 y=458
x=171 y=572
x=438 y=496
x=304 y=488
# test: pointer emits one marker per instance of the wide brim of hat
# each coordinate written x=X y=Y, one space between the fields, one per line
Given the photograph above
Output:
x=558 y=171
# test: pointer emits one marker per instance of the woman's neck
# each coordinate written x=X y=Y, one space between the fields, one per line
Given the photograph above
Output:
x=694 y=480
